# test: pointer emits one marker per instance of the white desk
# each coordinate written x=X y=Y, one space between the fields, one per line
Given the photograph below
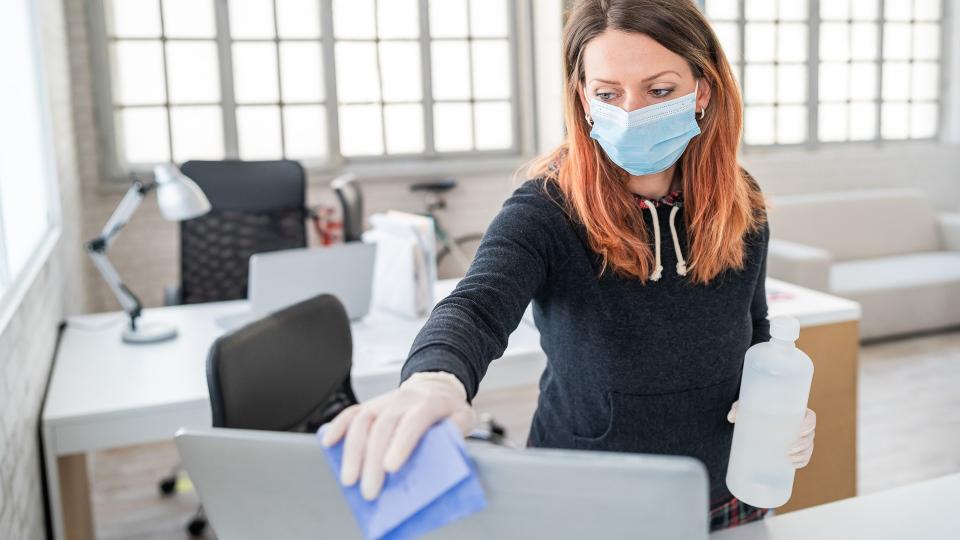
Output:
x=104 y=393
x=921 y=511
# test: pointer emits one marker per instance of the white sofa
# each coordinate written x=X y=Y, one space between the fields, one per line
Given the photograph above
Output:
x=887 y=249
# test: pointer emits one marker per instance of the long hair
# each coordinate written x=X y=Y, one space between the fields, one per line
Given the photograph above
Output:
x=722 y=203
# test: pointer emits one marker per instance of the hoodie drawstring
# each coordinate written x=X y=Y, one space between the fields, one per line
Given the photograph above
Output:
x=681 y=263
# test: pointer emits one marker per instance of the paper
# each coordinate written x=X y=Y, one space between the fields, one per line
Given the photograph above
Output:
x=406 y=265
x=437 y=485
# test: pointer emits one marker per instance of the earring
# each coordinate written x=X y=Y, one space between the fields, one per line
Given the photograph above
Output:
x=588 y=119
x=702 y=112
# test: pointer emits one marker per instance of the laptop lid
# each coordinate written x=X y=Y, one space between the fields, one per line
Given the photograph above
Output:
x=282 y=278
x=258 y=484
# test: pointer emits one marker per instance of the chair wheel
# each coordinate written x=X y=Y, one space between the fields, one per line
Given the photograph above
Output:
x=168 y=485
x=196 y=526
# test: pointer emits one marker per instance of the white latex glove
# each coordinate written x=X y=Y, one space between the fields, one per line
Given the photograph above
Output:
x=381 y=433
x=802 y=449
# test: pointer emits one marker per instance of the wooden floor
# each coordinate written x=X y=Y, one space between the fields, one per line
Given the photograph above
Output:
x=909 y=430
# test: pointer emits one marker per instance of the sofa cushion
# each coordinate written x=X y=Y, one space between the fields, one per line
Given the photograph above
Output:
x=902 y=294
x=855 y=225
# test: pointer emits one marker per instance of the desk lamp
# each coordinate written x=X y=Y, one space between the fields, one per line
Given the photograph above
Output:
x=180 y=199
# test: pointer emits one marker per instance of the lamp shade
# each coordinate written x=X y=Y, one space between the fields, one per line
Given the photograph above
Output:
x=180 y=198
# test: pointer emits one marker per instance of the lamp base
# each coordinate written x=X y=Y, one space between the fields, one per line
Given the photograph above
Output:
x=149 y=333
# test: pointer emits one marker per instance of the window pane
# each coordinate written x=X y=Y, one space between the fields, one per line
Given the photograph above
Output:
x=863 y=10
x=834 y=41
x=863 y=80
x=491 y=69
x=193 y=72
x=448 y=18
x=834 y=82
x=896 y=81
x=357 y=78
x=404 y=128
x=791 y=124
x=143 y=135
x=488 y=18
x=895 y=120
x=760 y=83
x=897 y=10
x=353 y=19
x=729 y=36
x=188 y=18
x=133 y=18
x=494 y=126
x=722 y=9
x=255 y=72
x=926 y=10
x=197 y=133
x=760 y=42
x=758 y=124
x=863 y=121
x=926 y=41
x=139 y=73
x=298 y=18
x=833 y=122
x=400 y=69
x=398 y=18
x=793 y=10
x=304 y=131
x=925 y=81
x=452 y=126
x=923 y=120
x=896 y=41
x=301 y=71
x=251 y=19
x=792 y=83
x=258 y=132
x=792 y=42
x=835 y=10
x=361 y=130
x=757 y=10
x=863 y=42
x=451 y=70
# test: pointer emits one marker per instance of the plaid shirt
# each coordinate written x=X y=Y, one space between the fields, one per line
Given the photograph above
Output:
x=733 y=512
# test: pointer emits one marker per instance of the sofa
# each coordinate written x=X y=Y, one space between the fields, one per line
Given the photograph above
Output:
x=888 y=249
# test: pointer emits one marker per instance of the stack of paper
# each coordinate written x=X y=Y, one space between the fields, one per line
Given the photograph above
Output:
x=406 y=264
x=436 y=486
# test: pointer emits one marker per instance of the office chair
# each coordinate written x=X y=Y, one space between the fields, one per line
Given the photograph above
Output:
x=289 y=371
x=351 y=203
x=257 y=206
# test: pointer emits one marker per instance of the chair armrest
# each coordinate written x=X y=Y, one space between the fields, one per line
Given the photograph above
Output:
x=949 y=223
x=804 y=265
x=172 y=295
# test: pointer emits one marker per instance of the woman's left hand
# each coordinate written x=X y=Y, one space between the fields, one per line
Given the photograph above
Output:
x=802 y=448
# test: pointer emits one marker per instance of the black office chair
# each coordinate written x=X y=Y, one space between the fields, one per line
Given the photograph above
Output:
x=351 y=203
x=256 y=206
x=289 y=371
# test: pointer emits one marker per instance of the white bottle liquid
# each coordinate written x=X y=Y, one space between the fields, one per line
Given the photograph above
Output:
x=773 y=401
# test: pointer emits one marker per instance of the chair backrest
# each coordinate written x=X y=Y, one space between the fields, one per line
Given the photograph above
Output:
x=351 y=202
x=857 y=224
x=256 y=206
x=289 y=371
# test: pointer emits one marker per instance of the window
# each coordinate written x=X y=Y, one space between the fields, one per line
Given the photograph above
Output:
x=830 y=71
x=322 y=81
x=27 y=210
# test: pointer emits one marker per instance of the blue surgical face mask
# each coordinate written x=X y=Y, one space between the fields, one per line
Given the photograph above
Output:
x=647 y=140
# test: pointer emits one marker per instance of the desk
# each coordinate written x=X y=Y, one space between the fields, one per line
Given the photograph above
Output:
x=106 y=394
x=923 y=510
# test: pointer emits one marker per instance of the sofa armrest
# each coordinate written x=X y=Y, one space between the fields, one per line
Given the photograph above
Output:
x=949 y=223
x=804 y=265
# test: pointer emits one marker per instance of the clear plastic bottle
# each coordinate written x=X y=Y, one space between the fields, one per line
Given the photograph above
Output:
x=773 y=400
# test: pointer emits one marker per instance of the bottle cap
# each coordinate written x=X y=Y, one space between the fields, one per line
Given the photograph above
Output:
x=785 y=328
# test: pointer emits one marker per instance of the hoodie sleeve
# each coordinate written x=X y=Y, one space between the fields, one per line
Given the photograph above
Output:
x=469 y=328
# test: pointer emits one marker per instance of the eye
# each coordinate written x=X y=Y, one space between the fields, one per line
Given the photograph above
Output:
x=665 y=92
x=606 y=96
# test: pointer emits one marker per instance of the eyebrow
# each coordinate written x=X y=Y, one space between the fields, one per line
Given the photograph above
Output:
x=644 y=80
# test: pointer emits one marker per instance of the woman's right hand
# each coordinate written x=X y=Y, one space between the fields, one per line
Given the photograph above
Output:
x=381 y=433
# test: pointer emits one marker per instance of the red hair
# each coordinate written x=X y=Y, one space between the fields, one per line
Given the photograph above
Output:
x=722 y=203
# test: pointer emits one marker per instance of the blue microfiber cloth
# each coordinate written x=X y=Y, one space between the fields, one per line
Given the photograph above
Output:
x=437 y=485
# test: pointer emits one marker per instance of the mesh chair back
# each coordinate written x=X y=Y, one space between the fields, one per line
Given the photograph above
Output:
x=289 y=371
x=256 y=206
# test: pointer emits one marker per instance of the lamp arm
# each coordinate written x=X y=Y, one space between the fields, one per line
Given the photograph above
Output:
x=128 y=301
x=124 y=211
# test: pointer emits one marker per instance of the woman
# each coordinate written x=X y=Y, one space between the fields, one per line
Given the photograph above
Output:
x=645 y=337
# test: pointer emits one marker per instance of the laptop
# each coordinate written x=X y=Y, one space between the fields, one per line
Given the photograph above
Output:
x=260 y=484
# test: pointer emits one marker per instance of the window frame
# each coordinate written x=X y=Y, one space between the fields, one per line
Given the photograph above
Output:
x=15 y=286
x=813 y=63
x=115 y=172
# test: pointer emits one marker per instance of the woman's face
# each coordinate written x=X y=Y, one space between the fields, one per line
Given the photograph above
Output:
x=631 y=70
